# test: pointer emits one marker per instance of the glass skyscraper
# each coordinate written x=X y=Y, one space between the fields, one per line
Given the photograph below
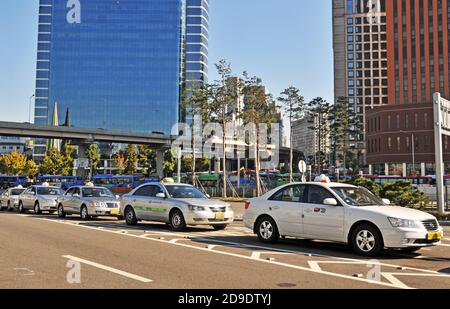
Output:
x=118 y=64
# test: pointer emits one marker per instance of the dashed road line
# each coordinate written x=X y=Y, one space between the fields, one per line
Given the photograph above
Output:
x=107 y=268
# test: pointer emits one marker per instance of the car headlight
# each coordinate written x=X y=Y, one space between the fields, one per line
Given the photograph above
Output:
x=395 y=222
x=196 y=208
x=97 y=204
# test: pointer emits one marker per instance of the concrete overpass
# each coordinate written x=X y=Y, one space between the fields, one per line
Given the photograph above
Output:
x=79 y=135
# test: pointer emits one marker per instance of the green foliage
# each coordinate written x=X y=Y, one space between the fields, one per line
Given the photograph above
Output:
x=143 y=156
x=93 y=155
x=400 y=193
x=31 y=169
x=119 y=162
x=57 y=163
x=131 y=159
x=17 y=163
x=169 y=163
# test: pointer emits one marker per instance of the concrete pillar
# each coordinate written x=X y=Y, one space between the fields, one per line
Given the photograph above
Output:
x=81 y=160
x=386 y=169
x=405 y=170
x=423 y=170
x=159 y=163
x=370 y=170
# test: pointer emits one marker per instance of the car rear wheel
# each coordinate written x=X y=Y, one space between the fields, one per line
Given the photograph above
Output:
x=84 y=213
x=267 y=230
x=61 y=212
x=21 y=208
x=130 y=217
x=177 y=220
x=366 y=240
x=220 y=227
x=37 y=209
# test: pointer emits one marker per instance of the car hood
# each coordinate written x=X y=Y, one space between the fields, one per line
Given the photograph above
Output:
x=399 y=212
x=100 y=199
x=202 y=202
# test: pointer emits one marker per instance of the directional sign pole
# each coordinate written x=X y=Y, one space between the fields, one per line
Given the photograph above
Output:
x=438 y=152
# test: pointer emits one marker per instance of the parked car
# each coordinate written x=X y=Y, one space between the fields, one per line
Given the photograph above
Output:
x=88 y=201
x=177 y=204
x=340 y=213
x=10 y=198
x=39 y=198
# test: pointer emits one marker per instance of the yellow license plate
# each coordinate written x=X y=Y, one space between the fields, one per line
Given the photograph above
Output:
x=114 y=211
x=435 y=236
x=220 y=216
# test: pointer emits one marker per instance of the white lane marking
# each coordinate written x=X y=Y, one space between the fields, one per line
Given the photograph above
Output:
x=107 y=268
x=314 y=265
x=392 y=279
x=242 y=257
x=444 y=245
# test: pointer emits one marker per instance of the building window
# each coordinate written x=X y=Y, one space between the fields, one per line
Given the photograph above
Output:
x=425 y=119
x=407 y=121
x=399 y=140
x=389 y=122
x=398 y=121
x=389 y=143
x=407 y=143
x=416 y=120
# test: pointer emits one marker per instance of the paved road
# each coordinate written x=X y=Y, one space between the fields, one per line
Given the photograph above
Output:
x=42 y=251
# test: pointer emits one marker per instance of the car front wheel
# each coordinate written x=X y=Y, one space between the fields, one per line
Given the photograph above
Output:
x=130 y=217
x=177 y=221
x=366 y=240
x=84 y=213
x=267 y=230
x=21 y=208
x=37 y=209
x=61 y=212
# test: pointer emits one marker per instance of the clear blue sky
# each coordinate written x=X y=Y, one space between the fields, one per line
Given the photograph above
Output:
x=285 y=42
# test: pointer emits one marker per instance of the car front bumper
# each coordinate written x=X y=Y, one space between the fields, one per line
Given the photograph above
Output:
x=406 y=238
x=208 y=218
x=104 y=211
x=48 y=206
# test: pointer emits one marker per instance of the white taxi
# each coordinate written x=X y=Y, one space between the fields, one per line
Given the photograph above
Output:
x=340 y=213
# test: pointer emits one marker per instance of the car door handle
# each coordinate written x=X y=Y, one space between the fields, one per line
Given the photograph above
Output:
x=276 y=207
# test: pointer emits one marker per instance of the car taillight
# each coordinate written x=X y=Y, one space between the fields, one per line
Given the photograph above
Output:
x=247 y=205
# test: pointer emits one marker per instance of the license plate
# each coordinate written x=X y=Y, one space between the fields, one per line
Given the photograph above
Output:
x=220 y=216
x=114 y=211
x=435 y=236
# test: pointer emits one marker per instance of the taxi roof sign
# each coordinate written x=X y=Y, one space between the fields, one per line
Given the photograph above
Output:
x=323 y=179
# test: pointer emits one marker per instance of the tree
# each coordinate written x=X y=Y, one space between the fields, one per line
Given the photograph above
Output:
x=222 y=96
x=53 y=163
x=196 y=102
x=131 y=159
x=169 y=163
x=2 y=165
x=402 y=193
x=259 y=108
x=346 y=130
x=31 y=169
x=119 y=162
x=293 y=103
x=15 y=163
x=93 y=155
x=319 y=114
x=143 y=157
x=370 y=185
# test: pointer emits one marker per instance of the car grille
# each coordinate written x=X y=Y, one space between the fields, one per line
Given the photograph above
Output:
x=111 y=205
x=430 y=225
x=218 y=209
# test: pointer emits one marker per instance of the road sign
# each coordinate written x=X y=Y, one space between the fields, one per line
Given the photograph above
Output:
x=302 y=166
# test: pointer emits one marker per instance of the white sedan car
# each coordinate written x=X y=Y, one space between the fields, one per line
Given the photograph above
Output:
x=177 y=204
x=340 y=213
x=10 y=198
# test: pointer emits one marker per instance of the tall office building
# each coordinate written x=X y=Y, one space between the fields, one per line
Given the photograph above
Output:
x=118 y=64
x=390 y=57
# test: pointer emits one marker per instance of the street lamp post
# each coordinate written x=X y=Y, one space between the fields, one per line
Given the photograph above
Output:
x=29 y=107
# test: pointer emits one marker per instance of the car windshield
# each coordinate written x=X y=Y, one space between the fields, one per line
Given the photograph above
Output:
x=184 y=192
x=97 y=192
x=49 y=191
x=17 y=191
x=357 y=196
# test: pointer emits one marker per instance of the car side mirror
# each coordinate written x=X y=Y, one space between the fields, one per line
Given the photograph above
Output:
x=208 y=196
x=386 y=201
x=330 y=202
x=160 y=195
x=117 y=197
